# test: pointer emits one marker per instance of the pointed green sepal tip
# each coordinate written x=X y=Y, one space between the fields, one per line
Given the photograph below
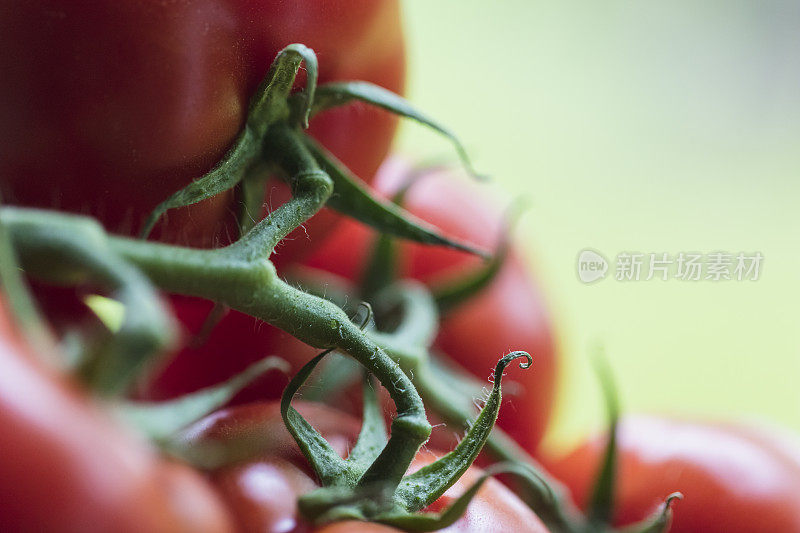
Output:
x=335 y=94
x=352 y=197
x=423 y=487
x=162 y=420
x=312 y=69
x=659 y=521
x=601 y=503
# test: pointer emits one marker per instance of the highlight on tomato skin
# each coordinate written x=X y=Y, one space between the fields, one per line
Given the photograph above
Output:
x=266 y=473
x=734 y=477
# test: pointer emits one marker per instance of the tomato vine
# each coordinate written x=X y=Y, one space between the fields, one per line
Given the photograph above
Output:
x=71 y=249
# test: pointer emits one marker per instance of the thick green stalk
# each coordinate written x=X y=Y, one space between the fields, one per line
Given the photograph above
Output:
x=311 y=188
x=255 y=289
x=69 y=249
x=232 y=276
x=16 y=298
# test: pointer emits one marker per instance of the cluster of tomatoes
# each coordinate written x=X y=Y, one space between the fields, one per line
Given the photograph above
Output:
x=106 y=108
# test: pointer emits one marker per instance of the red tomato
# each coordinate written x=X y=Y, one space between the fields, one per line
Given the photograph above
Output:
x=262 y=478
x=65 y=466
x=237 y=341
x=734 y=478
x=106 y=108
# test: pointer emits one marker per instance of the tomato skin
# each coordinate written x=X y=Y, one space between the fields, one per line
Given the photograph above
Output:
x=263 y=471
x=65 y=466
x=106 y=108
x=237 y=341
x=263 y=478
x=508 y=315
x=734 y=478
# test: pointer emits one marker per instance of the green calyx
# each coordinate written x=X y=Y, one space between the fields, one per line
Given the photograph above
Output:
x=450 y=393
x=239 y=276
x=272 y=139
x=70 y=249
x=372 y=482
x=361 y=487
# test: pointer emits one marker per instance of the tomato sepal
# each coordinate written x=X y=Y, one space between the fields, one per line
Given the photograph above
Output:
x=268 y=106
x=353 y=199
x=160 y=421
x=659 y=521
x=362 y=486
x=435 y=521
x=275 y=109
x=450 y=394
x=602 y=500
x=335 y=94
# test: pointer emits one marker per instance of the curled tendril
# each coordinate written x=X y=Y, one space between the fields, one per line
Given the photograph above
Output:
x=506 y=360
x=672 y=497
x=666 y=507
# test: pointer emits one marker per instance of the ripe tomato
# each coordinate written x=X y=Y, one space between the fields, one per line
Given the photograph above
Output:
x=734 y=478
x=106 y=108
x=65 y=466
x=265 y=472
x=237 y=341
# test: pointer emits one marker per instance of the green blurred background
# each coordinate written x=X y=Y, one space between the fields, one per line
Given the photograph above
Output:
x=644 y=126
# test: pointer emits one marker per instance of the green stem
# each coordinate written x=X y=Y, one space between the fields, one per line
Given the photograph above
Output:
x=242 y=279
x=15 y=296
x=443 y=391
x=74 y=249
x=270 y=100
x=437 y=477
x=311 y=187
x=268 y=106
